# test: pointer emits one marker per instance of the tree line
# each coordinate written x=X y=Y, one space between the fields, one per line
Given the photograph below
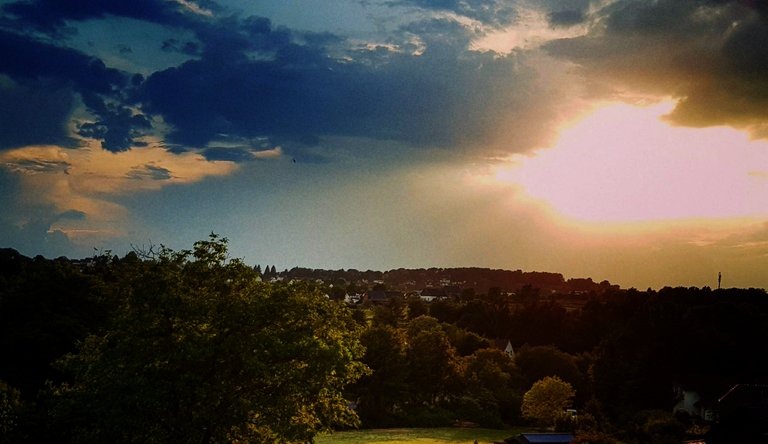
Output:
x=623 y=352
x=476 y=278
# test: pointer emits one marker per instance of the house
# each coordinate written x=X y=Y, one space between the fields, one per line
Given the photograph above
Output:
x=695 y=399
x=509 y=350
x=430 y=294
x=689 y=402
x=506 y=346
x=742 y=416
x=540 y=438
x=353 y=298
x=382 y=296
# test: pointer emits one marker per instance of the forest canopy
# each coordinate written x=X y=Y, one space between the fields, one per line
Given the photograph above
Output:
x=192 y=345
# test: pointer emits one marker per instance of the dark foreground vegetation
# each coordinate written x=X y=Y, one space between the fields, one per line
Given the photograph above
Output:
x=175 y=347
x=191 y=346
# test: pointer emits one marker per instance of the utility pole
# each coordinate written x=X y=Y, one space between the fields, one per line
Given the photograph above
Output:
x=719 y=278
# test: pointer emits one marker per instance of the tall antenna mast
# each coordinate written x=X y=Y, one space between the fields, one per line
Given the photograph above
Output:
x=719 y=278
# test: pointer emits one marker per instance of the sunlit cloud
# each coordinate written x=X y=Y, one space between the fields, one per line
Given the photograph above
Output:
x=195 y=8
x=99 y=171
x=531 y=29
x=273 y=153
x=624 y=164
x=87 y=180
x=36 y=160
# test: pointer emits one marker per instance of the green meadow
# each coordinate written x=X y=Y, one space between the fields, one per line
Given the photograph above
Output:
x=421 y=436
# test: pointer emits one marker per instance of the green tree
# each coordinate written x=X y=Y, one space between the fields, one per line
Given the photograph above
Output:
x=10 y=406
x=547 y=399
x=382 y=390
x=336 y=293
x=466 y=342
x=432 y=361
x=201 y=351
x=491 y=377
x=545 y=360
x=416 y=307
x=392 y=312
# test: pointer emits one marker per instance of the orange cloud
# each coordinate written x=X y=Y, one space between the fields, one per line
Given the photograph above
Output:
x=87 y=180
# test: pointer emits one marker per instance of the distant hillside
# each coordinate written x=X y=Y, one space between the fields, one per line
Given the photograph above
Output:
x=455 y=279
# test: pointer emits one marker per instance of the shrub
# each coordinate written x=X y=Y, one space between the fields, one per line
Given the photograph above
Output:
x=427 y=416
x=594 y=437
x=482 y=412
x=658 y=426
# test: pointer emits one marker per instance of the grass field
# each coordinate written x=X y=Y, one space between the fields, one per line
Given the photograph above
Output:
x=420 y=436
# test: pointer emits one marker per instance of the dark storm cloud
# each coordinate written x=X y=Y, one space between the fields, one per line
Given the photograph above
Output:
x=29 y=59
x=251 y=79
x=117 y=129
x=292 y=90
x=51 y=16
x=48 y=76
x=173 y=45
x=106 y=92
x=566 y=18
x=38 y=115
x=710 y=55
x=565 y=12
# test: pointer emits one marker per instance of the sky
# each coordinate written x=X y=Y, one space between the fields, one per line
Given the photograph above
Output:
x=622 y=140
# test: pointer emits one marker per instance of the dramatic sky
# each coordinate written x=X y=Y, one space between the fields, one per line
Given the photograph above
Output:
x=615 y=139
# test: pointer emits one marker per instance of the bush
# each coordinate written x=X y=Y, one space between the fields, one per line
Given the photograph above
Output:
x=426 y=416
x=658 y=426
x=10 y=406
x=566 y=422
x=593 y=437
x=485 y=413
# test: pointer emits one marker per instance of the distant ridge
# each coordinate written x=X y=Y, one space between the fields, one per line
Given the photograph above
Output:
x=479 y=279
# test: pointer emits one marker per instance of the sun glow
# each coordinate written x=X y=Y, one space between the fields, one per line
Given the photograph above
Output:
x=625 y=164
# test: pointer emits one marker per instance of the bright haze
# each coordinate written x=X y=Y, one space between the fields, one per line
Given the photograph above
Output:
x=621 y=139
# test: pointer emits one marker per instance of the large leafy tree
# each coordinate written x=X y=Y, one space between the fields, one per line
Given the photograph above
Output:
x=545 y=360
x=433 y=364
x=202 y=351
x=491 y=378
x=386 y=386
x=547 y=399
